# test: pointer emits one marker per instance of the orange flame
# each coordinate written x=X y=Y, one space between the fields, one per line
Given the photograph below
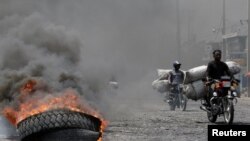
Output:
x=103 y=126
x=27 y=89
x=29 y=106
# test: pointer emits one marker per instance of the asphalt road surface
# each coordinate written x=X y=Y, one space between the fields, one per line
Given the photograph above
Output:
x=157 y=123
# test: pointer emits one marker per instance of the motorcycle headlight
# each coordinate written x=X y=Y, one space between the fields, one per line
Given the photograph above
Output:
x=215 y=94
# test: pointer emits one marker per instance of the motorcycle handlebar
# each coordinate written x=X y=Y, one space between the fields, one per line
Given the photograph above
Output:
x=211 y=81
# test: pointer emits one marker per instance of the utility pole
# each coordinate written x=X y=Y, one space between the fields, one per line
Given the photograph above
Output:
x=178 y=36
x=248 y=50
x=224 y=50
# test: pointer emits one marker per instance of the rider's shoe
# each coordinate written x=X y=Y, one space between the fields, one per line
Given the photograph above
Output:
x=205 y=104
x=208 y=108
x=205 y=107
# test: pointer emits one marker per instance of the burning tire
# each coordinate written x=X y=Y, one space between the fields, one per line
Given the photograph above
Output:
x=60 y=125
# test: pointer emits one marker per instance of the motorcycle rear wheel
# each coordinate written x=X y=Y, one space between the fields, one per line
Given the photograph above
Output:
x=183 y=102
x=229 y=112
x=172 y=105
x=172 y=102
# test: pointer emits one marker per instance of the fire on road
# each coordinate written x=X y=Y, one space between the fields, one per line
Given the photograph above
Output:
x=157 y=123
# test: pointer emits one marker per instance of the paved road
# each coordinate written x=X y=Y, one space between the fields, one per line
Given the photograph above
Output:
x=158 y=123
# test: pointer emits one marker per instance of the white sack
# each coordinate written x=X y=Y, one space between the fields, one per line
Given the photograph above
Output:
x=161 y=85
x=194 y=90
x=163 y=73
x=198 y=73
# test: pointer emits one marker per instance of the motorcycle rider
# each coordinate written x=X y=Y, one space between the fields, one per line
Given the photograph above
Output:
x=176 y=76
x=215 y=69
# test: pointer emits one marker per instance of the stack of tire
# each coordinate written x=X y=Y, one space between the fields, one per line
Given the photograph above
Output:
x=60 y=125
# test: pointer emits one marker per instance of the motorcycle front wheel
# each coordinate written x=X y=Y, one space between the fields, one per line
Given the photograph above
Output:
x=212 y=118
x=229 y=111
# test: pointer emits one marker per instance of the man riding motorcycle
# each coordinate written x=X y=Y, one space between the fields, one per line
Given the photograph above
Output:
x=176 y=76
x=215 y=70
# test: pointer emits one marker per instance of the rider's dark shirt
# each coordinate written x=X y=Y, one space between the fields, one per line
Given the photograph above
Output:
x=217 y=69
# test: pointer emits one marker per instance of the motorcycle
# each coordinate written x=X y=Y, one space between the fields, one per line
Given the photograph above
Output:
x=224 y=97
x=177 y=98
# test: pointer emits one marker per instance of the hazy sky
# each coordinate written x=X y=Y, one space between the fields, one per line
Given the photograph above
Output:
x=140 y=33
x=207 y=14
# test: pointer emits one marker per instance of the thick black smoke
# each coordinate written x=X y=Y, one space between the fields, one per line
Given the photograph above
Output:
x=32 y=48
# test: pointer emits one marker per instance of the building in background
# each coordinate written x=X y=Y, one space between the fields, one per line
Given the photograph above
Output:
x=236 y=50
